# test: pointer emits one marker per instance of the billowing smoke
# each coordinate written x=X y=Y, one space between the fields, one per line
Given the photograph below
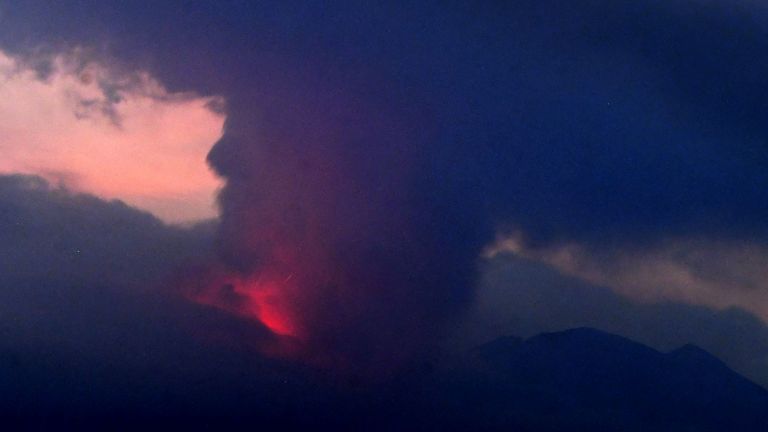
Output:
x=331 y=234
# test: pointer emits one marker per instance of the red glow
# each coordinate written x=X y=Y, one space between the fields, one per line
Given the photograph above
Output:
x=263 y=299
x=267 y=307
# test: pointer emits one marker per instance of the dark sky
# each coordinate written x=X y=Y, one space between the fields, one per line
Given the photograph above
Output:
x=614 y=152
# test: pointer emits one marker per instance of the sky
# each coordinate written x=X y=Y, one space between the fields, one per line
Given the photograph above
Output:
x=116 y=135
x=358 y=185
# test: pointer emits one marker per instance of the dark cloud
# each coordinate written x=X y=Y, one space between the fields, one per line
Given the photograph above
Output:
x=51 y=233
x=80 y=276
x=590 y=119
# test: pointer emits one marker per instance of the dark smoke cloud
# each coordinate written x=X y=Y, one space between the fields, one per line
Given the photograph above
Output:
x=371 y=151
x=549 y=113
x=326 y=187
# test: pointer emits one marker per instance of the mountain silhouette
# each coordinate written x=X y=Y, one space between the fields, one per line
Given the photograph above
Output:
x=587 y=380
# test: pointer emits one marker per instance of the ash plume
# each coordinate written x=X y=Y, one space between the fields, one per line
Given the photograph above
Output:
x=333 y=229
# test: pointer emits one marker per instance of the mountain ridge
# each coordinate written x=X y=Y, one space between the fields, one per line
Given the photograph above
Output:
x=587 y=379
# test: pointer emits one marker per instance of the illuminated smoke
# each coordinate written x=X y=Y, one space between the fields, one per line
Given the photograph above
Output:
x=333 y=233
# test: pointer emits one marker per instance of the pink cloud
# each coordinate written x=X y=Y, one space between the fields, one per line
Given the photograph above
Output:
x=117 y=135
